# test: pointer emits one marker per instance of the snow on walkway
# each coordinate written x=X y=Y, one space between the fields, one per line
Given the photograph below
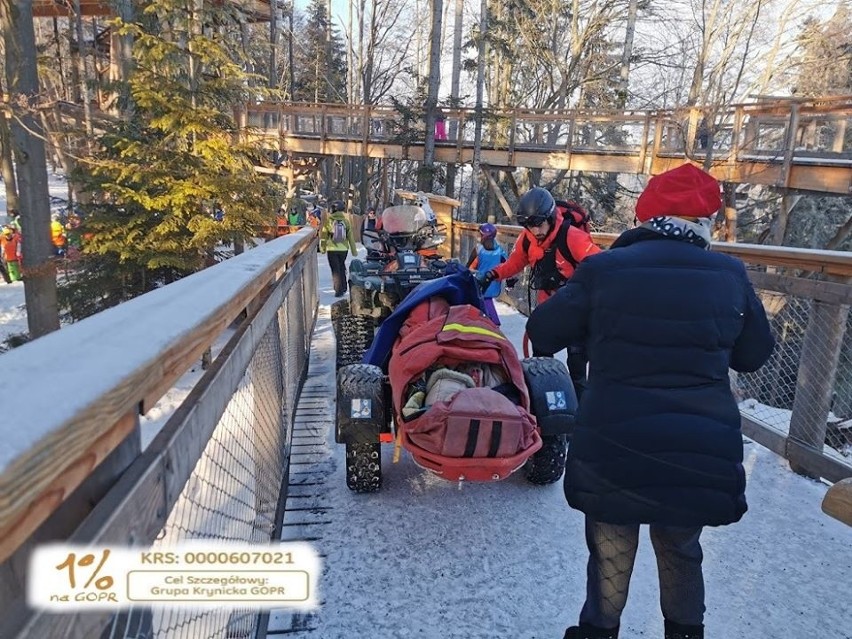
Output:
x=423 y=558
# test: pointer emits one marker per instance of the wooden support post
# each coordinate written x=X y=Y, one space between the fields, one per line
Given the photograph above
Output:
x=790 y=138
x=643 y=148
x=730 y=205
x=816 y=378
x=838 y=501
x=497 y=192
x=512 y=126
x=658 y=139
x=840 y=125
x=692 y=130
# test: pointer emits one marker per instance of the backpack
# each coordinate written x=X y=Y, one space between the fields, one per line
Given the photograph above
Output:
x=338 y=231
x=575 y=214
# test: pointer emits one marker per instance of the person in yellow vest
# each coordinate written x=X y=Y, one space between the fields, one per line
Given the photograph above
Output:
x=336 y=240
x=57 y=235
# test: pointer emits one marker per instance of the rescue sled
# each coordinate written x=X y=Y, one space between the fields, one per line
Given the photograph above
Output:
x=441 y=381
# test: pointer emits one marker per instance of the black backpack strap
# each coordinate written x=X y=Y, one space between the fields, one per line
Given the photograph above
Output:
x=562 y=243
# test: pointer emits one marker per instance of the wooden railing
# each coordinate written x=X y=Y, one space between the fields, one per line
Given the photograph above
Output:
x=798 y=144
x=71 y=466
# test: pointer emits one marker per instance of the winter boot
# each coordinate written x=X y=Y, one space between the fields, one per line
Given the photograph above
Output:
x=682 y=631
x=588 y=631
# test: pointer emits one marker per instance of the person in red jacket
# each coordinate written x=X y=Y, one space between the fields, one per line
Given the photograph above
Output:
x=553 y=248
x=549 y=244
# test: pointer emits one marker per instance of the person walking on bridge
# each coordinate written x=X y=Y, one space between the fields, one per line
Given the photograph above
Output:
x=658 y=438
x=336 y=239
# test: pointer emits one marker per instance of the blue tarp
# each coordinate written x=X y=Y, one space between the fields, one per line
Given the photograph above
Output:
x=457 y=288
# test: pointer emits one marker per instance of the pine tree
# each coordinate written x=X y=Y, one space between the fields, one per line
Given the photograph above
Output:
x=320 y=59
x=158 y=176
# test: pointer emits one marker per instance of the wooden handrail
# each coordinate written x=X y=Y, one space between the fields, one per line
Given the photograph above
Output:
x=838 y=501
x=84 y=379
x=649 y=142
x=836 y=263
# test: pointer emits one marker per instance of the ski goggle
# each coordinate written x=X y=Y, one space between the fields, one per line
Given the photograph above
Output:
x=535 y=220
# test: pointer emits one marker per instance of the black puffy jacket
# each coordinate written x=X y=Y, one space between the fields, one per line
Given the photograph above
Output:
x=658 y=436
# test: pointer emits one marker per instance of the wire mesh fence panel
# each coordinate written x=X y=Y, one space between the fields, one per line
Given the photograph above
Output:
x=235 y=487
x=767 y=395
x=233 y=492
x=805 y=390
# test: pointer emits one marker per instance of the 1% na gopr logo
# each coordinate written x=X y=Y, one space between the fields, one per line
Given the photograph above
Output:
x=97 y=586
x=74 y=576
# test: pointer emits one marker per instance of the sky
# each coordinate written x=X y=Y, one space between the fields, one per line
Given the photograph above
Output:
x=431 y=559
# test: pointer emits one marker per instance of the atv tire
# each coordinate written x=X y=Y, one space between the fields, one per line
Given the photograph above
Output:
x=354 y=336
x=364 y=467
x=548 y=463
x=338 y=310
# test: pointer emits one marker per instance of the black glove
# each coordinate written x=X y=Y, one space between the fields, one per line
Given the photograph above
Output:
x=485 y=280
x=510 y=283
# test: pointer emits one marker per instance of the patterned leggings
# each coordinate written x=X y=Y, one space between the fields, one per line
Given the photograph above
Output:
x=612 y=551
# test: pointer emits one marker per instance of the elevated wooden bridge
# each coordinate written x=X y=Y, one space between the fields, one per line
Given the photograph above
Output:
x=794 y=144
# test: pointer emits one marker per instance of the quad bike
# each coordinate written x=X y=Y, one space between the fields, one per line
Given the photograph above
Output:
x=492 y=414
x=401 y=253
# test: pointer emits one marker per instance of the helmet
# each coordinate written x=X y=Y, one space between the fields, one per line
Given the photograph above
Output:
x=536 y=206
x=488 y=230
x=337 y=205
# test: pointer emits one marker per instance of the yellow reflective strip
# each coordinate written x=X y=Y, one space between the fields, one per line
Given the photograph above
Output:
x=461 y=328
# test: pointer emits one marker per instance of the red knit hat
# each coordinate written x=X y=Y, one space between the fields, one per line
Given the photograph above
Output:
x=686 y=191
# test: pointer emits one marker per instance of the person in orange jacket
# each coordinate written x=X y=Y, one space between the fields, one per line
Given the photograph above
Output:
x=549 y=244
x=553 y=247
x=10 y=249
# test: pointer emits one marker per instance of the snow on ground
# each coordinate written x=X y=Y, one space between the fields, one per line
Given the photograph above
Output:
x=13 y=310
x=57 y=186
x=13 y=314
x=423 y=558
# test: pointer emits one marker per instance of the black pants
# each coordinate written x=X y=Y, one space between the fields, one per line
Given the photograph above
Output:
x=612 y=550
x=4 y=272
x=337 y=263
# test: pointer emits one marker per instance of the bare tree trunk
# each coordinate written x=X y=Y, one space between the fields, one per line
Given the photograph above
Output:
x=427 y=169
x=708 y=28
x=81 y=70
x=56 y=39
x=480 y=90
x=7 y=167
x=76 y=98
x=350 y=59
x=455 y=129
x=627 y=53
x=273 y=45
x=779 y=231
x=16 y=20
x=291 y=72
